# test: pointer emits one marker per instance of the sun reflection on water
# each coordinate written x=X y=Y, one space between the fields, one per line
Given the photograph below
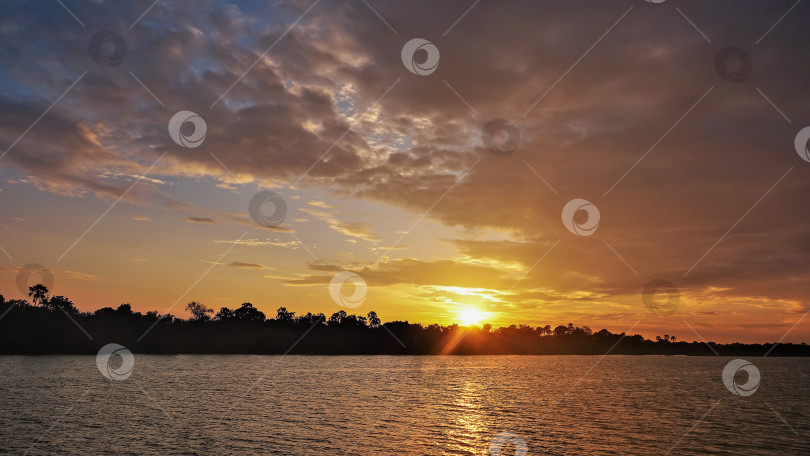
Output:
x=468 y=426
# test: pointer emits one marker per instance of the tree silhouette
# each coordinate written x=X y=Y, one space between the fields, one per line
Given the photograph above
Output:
x=224 y=314
x=248 y=312
x=283 y=315
x=373 y=320
x=38 y=293
x=26 y=329
x=124 y=310
x=63 y=303
x=309 y=319
x=19 y=303
x=337 y=318
x=199 y=311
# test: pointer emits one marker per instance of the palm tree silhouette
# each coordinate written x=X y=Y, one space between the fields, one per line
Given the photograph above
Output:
x=38 y=293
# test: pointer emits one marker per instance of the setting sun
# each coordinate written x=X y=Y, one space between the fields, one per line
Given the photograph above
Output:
x=469 y=316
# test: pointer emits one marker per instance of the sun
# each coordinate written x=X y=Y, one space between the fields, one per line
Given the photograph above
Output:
x=470 y=316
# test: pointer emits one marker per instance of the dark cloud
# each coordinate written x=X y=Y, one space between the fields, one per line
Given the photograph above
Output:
x=200 y=220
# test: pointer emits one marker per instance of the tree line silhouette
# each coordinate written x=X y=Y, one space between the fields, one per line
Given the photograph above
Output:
x=53 y=325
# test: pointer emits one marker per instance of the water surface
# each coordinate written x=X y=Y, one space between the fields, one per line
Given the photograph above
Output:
x=311 y=405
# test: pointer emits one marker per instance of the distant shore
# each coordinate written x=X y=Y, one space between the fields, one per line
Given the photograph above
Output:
x=55 y=326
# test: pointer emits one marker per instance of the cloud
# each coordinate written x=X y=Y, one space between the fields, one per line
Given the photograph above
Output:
x=255 y=266
x=358 y=230
x=77 y=275
x=312 y=113
x=80 y=275
x=412 y=271
x=320 y=204
x=200 y=220
x=260 y=243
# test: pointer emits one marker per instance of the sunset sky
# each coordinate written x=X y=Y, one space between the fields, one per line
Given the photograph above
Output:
x=384 y=172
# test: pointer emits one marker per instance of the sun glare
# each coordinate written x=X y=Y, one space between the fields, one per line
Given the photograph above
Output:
x=470 y=316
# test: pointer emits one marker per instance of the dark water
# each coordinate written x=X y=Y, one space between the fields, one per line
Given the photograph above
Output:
x=401 y=406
